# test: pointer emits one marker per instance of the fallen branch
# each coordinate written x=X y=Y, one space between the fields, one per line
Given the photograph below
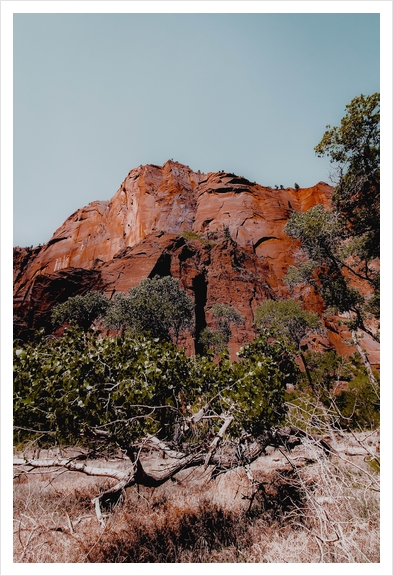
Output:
x=72 y=466
x=234 y=455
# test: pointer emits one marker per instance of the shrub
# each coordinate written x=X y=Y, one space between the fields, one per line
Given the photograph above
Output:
x=83 y=310
x=359 y=405
x=190 y=235
x=134 y=386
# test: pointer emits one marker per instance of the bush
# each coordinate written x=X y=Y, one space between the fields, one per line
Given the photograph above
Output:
x=218 y=339
x=359 y=405
x=190 y=235
x=134 y=386
x=83 y=310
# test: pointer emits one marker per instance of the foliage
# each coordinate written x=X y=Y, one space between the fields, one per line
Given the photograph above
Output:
x=157 y=307
x=344 y=389
x=317 y=229
x=359 y=405
x=341 y=247
x=84 y=310
x=84 y=381
x=190 y=235
x=354 y=148
x=213 y=340
x=133 y=386
x=286 y=318
x=320 y=234
x=328 y=369
x=218 y=339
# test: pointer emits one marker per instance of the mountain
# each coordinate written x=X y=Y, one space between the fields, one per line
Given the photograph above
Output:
x=220 y=234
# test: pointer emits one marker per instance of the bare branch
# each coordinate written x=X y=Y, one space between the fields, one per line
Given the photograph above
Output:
x=73 y=466
x=159 y=445
x=220 y=434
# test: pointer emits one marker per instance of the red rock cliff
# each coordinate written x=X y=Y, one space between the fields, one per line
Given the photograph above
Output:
x=238 y=253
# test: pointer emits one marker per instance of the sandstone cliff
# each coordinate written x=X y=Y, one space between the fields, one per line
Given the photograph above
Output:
x=222 y=235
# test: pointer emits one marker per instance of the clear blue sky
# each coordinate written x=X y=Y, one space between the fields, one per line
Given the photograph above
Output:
x=96 y=95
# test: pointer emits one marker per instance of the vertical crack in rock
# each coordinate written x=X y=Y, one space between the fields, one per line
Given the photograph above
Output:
x=199 y=286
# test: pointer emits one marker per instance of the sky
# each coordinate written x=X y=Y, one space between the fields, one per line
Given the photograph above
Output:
x=96 y=95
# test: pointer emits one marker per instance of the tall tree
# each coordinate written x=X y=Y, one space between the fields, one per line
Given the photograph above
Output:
x=354 y=149
x=157 y=307
x=341 y=246
x=287 y=319
x=225 y=316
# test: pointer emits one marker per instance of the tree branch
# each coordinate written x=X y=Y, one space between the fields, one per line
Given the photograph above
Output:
x=71 y=465
x=220 y=434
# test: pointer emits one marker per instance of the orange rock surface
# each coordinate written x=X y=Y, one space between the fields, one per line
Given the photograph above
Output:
x=220 y=234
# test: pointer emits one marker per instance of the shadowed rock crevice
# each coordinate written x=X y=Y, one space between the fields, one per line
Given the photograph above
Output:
x=46 y=291
x=162 y=267
x=199 y=285
x=263 y=239
x=186 y=254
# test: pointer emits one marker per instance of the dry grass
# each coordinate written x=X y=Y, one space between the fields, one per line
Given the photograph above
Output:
x=327 y=511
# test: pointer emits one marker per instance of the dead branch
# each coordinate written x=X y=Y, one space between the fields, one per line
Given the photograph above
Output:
x=235 y=454
x=220 y=434
x=160 y=445
x=137 y=474
x=72 y=466
x=293 y=431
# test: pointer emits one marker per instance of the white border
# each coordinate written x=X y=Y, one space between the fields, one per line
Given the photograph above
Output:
x=195 y=6
x=8 y=8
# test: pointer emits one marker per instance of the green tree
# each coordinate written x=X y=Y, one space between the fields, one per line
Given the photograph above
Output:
x=341 y=246
x=323 y=265
x=83 y=310
x=219 y=339
x=287 y=319
x=354 y=149
x=157 y=307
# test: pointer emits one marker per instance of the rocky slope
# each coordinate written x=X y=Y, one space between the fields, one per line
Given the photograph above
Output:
x=222 y=235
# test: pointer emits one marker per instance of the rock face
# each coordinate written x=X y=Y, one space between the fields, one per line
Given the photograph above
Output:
x=220 y=234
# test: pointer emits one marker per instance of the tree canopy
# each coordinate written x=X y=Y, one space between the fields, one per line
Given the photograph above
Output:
x=218 y=339
x=83 y=310
x=287 y=318
x=354 y=149
x=157 y=307
x=340 y=246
